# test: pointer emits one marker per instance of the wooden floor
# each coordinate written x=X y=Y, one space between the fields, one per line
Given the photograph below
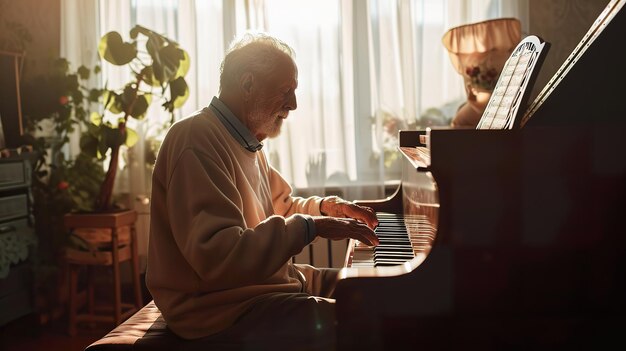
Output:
x=25 y=334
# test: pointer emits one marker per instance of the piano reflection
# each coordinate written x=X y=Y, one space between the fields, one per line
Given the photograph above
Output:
x=508 y=238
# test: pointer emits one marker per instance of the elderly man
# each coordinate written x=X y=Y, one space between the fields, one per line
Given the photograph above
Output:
x=224 y=224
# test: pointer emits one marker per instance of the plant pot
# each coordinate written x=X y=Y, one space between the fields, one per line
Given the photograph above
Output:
x=99 y=232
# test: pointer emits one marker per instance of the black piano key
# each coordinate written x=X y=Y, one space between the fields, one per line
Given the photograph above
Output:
x=400 y=241
x=392 y=259
x=394 y=236
x=388 y=234
x=393 y=255
x=393 y=245
x=392 y=233
x=379 y=249
x=405 y=257
x=390 y=230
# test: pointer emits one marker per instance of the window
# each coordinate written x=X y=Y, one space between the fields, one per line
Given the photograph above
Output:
x=366 y=69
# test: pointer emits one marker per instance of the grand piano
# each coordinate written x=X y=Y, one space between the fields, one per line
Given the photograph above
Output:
x=505 y=239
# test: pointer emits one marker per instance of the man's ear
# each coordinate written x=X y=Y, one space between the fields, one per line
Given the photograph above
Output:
x=246 y=83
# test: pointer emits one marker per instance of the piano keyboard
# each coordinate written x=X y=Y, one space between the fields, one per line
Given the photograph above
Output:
x=397 y=245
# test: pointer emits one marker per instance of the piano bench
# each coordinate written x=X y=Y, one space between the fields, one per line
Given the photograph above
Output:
x=146 y=330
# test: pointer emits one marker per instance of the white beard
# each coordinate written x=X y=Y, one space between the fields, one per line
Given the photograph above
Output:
x=263 y=124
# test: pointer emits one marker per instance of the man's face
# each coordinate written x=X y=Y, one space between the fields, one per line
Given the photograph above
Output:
x=274 y=98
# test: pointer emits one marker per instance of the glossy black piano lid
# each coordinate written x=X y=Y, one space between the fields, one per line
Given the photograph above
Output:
x=591 y=92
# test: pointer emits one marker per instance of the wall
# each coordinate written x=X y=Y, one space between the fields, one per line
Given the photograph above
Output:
x=562 y=23
x=42 y=20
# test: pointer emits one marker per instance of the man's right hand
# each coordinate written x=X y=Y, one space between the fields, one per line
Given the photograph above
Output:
x=341 y=228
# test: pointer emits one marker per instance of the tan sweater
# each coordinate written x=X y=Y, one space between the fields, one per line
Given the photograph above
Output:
x=222 y=228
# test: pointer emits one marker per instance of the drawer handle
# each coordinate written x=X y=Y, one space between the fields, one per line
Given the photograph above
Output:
x=7 y=229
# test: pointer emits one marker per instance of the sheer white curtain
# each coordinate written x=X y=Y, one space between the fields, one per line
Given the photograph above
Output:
x=366 y=69
x=318 y=139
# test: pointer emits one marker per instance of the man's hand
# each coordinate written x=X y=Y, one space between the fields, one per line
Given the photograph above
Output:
x=342 y=228
x=336 y=207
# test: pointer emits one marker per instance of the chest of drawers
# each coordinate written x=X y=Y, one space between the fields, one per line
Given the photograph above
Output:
x=17 y=238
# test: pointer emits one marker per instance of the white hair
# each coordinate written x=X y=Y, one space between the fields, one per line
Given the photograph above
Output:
x=254 y=52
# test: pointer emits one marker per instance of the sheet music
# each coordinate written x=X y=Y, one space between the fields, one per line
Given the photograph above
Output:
x=512 y=88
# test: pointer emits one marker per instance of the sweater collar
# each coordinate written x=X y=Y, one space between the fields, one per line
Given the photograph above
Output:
x=234 y=126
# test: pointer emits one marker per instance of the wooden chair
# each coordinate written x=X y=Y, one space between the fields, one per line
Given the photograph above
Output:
x=110 y=240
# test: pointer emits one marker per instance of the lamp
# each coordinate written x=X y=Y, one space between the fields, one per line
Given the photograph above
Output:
x=478 y=52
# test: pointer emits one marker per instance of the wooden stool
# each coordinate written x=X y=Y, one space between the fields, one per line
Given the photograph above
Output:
x=111 y=240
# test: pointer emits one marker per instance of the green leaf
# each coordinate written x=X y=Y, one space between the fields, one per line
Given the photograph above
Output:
x=168 y=105
x=113 y=137
x=108 y=97
x=113 y=102
x=134 y=32
x=95 y=118
x=154 y=44
x=77 y=96
x=185 y=63
x=89 y=144
x=61 y=66
x=166 y=63
x=71 y=82
x=141 y=106
x=83 y=72
x=129 y=95
x=113 y=49
x=102 y=148
x=148 y=77
x=94 y=95
x=179 y=92
x=94 y=130
x=143 y=30
x=131 y=137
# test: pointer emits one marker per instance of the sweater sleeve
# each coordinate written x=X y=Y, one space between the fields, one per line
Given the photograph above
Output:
x=285 y=204
x=209 y=228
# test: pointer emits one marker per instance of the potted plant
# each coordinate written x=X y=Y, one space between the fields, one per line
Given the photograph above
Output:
x=62 y=100
x=158 y=67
